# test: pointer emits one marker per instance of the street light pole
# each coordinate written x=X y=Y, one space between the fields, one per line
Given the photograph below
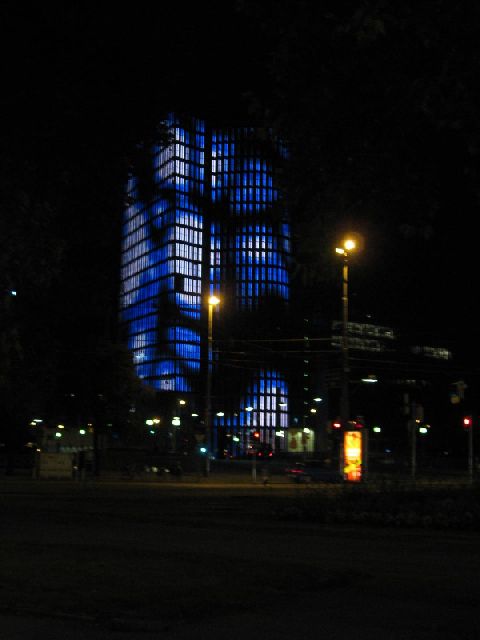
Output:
x=345 y=401
x=348 y=245
x=212 y=302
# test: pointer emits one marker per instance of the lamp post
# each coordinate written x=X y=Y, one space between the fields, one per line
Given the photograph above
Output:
x=348 y=245
x=213 y=301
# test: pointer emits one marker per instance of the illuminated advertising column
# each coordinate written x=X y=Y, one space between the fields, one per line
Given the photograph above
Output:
x=352 y=447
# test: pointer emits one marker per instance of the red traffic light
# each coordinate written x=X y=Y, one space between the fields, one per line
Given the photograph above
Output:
x=336 y=424
x=256 y=434
x=467 y=422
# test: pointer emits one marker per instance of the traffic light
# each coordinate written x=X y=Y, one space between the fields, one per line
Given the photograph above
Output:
x=336 y=424
x=458 y=393
x=467 y=422
x=359 y=422
x=255 y=435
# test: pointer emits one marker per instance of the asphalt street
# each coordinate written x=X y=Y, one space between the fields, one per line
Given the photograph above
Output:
x=137 y=560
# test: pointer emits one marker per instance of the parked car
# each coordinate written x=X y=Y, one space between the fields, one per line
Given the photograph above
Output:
x=313 y=472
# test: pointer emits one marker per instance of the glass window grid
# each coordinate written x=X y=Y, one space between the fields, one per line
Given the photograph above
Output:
x=249 y=189
x=264 y=396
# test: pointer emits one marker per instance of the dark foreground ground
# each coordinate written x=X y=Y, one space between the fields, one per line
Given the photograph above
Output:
x=177 y=561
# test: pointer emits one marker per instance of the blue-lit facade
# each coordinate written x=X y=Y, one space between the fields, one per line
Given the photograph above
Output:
x=177 y=249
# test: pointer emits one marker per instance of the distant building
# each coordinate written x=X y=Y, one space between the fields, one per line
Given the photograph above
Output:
x=364 y=336
x=437 y=353
x=212 y=224
x=390 y=378
x=370 y=337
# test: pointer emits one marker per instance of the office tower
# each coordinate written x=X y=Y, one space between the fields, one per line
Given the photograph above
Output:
x=209 y=222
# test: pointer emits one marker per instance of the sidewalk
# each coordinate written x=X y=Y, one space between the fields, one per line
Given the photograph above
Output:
x=198 y=479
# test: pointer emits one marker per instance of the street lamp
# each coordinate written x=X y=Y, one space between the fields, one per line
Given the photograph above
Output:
x=213 y=301
x=349 y=245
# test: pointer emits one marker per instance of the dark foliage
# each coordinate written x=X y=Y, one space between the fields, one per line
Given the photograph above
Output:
x=378 y=103
x=390 y=505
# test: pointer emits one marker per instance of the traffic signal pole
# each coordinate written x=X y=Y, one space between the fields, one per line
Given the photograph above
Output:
x=468 y=426
x=413 y=448
x=365 y=454
x=255 y=440
x=470 y=453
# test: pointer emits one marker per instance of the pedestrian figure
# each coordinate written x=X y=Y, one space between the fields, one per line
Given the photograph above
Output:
x=264 y=476
x=177 y=470
x=81 y=464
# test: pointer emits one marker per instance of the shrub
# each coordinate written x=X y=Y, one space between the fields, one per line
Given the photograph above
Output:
x=390 y=506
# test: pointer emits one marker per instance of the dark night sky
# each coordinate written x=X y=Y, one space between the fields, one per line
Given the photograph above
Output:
x=81 y=84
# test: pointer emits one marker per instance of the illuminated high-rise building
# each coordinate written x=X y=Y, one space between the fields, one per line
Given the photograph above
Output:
x=211 y=224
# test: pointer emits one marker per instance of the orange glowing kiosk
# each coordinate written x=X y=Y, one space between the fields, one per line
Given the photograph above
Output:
x=352 y=455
